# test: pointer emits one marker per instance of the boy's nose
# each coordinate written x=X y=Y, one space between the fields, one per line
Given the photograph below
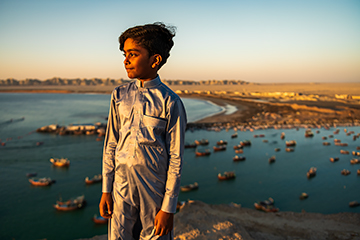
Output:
x=126 y=61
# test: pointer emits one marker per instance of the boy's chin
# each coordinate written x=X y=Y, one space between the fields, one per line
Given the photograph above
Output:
x=131 y=76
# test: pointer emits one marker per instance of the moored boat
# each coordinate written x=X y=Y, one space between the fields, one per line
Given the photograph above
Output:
x=290 y=143
x=190 y=145
x=221 y=142
x=204 y=153
x=303 y=196
x=239 y=151
x=190 y=187
x=311 y=173
x=96 y=179
x=71 y=204
x=219 y=148
x=345 y=172
x=238 y=158
x=245 y=143
x=266 y=206
x=60 y=162
x=226 y=176
x=202 y=142
x=309 y=133
x=334 y=159
x=355 y=161
x=344 y=151
x=282 y=136
x=237 y=147
x=354 y=204
x=289 y=149
x=272 y=159
x=41 y=181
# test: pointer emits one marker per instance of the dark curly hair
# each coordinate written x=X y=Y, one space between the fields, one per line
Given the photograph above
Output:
x=155 y=38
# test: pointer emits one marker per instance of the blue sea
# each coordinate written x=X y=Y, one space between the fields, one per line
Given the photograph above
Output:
x=27 y=212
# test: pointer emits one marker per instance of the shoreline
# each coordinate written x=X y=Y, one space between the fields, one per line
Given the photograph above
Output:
x=250 y=111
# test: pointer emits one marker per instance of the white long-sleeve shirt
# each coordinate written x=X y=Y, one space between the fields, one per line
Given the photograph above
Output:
x=145 y=136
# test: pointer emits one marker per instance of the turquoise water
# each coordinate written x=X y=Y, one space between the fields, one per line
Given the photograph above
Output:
x=27 y=213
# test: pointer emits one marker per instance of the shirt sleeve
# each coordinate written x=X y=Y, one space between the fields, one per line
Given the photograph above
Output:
x=110 y=143
x=175 y=145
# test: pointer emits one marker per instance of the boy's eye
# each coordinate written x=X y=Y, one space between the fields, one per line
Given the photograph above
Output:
x=129 y=55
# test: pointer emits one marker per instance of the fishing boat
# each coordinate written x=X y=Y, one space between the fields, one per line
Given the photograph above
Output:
x=354 y=204
x=272 y=159
x=202 y=142
x=238 y=158
x=189 y=187
x=309 y=133
x=245 y=143
x=311 y=173
x=234 y=135
x=204 y=153
x=355 y=153
x=236 y=147
x=290 y=143
x=345 y=172
x=358 y=172
x=326 y=143
x=277 y=149
x=60 y=162
x=41 y=181
x=99 y=219
x=266 y=206
x=71 y=204
x=190 y=145
x=344 y=151
x=289 y=149
x=96 y=179
x=221 y=142
x=219 y=148
x=334 y=159
x=303 y=196
x=226 y=176
x=239 y=151
x=282 y=136
x=355 y=161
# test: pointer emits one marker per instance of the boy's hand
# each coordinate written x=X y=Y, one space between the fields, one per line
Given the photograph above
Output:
x=164 y=223
x=106 y=205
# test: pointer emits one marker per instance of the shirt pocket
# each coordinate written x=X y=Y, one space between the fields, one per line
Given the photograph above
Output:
x=152 y=131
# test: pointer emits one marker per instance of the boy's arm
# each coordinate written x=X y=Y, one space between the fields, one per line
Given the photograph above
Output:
x=175 y=146
x=108 y=166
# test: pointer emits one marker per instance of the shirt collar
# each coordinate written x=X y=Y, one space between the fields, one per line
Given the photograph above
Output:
x=149 y=84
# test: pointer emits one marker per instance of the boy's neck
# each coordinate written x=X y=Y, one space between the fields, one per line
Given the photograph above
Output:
x=145 y=80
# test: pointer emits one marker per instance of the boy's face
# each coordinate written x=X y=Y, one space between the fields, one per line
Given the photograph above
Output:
x=138 y=63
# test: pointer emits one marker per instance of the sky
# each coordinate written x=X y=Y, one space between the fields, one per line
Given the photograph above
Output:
x=250 y=40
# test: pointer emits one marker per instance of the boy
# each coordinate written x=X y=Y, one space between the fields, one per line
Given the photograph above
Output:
x=144 y=143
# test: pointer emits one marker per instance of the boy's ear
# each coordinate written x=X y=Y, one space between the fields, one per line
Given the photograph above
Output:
x=157 y=60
